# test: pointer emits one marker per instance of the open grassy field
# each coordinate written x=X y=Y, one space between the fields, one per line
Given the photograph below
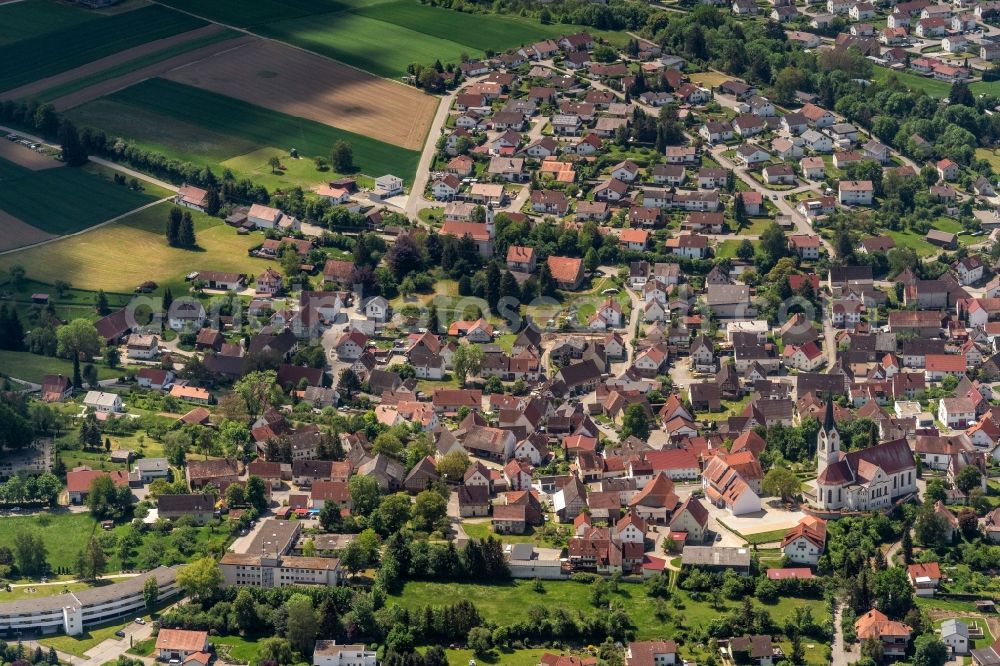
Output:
x=141 y=253
x=64 y=533
x=932 y=87
x=24 y=20
x=72 y=45
x=358 y=36
x=33 y=367
x=63 y=201
x=203 y=127
x=245 y=15
x=510 y=602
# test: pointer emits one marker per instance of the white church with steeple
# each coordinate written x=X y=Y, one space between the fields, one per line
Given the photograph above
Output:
x=863 y=480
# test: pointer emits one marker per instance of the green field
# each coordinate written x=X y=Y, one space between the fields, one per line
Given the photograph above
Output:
x=932 y=87
x=141 y=253
x=132 y=65
x=380 y=36
x=72 y=45
x=63 y=200
x=248 y=14
x=64 y=534
x=24 y=20
x=359 y=36
x=203 y=127
x=33 y=367
x=510 y=602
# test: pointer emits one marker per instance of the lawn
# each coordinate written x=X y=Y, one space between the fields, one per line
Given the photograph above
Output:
x=141 y=253
x=132 y=65
x=63 y=533
x=507 y=658
x=510 y=602
x=932 y=87
x=33 y=367
x=239 y=649
x=990 y=156
x=203 y=127
x=79 y=644
x=75 y=44
x=24 y=592
x=482 y=530
x=63 y=200
x=31 y=18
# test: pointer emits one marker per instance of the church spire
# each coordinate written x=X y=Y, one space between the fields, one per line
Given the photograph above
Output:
x=828 y=423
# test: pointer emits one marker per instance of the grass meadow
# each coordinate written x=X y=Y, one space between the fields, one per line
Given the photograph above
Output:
x=73 y=44
x=63 y=201
x=141 y=253
x=203 y=127
x=31 y=18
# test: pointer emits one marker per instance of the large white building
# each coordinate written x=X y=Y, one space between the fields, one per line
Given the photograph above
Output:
x=73 y=612
x=266 y=562
x=329 y=653
x=863 y=480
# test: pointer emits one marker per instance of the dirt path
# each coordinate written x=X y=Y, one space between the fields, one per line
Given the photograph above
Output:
x=109 y=86
x=101 y=64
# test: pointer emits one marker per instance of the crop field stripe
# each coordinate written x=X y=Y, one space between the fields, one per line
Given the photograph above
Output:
x=263 y=127
x=62 y=201
x=55 y=92
x=45 y=55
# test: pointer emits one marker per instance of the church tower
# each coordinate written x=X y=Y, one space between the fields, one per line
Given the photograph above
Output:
x=828 y=440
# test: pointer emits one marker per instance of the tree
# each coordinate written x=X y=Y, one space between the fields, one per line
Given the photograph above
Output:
x=365 y=494
x=773 y=243
x=342 y=157
x=256 y=493
x=90 y=561
x=235 y=496
x=173 y=233
x=274 y=651
x=200 y=579
x=150 y=594
x=256 y=389
x=546 y=283
x=467 y=360
x=929 y=651
x=429 y=511
x=106 y=500
x=968 y=477
x=186 y=237
x=493 y=279
x=329 y=517
x=30 y=554
x=782 y=482
x=348 y=383
x=930 y=528
x=73 y=151
x=112 y=357
x=78 y=339
x=392 y=514
x=235 y=439
x=480 y=641
x=101 y=302
x=635 y=422
x=452 y=467
x=745 y=250
x=245 y=612
x=362 y=552
x=740 y=215
x=275 y=163
x=302 y=623
x=892 y=592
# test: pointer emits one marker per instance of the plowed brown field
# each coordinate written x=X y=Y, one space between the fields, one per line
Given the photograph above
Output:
x=298 y=83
